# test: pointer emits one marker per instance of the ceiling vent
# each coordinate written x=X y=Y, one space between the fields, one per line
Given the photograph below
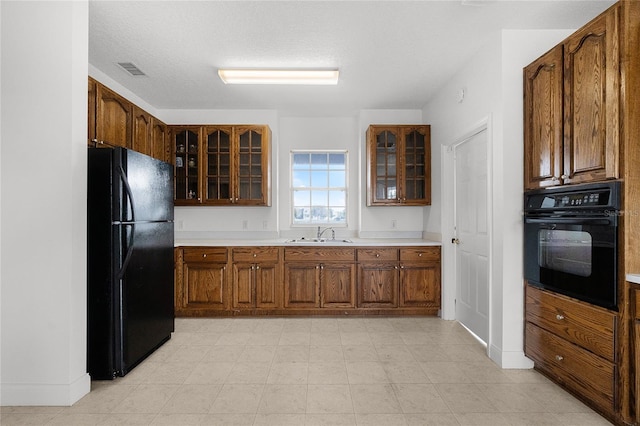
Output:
x=131 y=69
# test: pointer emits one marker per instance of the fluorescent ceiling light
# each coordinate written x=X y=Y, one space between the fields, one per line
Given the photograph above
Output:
x=278 y=76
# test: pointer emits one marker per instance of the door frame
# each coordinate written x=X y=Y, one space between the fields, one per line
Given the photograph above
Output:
x=449 y=286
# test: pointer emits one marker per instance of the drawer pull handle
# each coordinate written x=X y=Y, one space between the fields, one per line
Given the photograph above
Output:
x=559 y=357
x=419 y=254
x=377 y=254
x=254 y=255
x=204 y=255
x=559 y=317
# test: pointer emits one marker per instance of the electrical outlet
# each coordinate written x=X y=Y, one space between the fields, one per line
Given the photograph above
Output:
x=394 y=224
x=245 y=224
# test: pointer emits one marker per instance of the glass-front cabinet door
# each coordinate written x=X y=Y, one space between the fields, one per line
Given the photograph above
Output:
x=398 y=159
x=252 y=167
x=186 y=148
x=384 y=165
x=415 y=163
x=218 y=173
x=222 y=165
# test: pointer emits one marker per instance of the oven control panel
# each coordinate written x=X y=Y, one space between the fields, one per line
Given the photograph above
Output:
x=593 y=196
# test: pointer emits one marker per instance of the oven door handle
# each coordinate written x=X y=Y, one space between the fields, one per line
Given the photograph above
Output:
x=571 y=221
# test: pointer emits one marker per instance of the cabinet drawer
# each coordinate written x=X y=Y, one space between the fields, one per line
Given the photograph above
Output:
x=419 y=254
x=580 y=323
x=589 y=375
x=255 y=254
x=319 y=254
x=205 y=254
x=377 y=254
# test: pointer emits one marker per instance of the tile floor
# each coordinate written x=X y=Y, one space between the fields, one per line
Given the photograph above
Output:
x=318 y=371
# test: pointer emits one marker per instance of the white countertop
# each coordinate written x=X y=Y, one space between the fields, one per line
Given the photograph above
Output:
x=351 y=242
x=633 y=278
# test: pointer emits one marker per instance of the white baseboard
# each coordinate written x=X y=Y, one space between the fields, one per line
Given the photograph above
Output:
x=44 y=394
x=510 y=360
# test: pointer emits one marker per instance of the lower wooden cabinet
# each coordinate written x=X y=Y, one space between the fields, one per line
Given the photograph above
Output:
x=573 y=343
x=255 y=277
x=420 y=277
x=328 y=280
x=319 y=277
x=202 y=286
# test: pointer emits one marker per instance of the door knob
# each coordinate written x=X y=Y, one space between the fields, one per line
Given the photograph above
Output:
x=455 y=241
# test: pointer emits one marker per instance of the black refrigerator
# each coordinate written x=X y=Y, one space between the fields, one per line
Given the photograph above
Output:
x=130 y=310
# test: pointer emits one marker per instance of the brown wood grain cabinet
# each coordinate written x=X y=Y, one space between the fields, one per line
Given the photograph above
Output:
x=571 y=108
x=378 y=277
x=222 y=165
x=204 y=285
x=114 y=121
x=420 y=277
x=574 y=343
x=319 y=277
x=398 y=165
x=114 y=118
x=304 y=280
x=160 y=147
x=142 y=125
x=543 y=119
x=255 y=278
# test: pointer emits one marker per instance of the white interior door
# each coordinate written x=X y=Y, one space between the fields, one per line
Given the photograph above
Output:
x=472 y=234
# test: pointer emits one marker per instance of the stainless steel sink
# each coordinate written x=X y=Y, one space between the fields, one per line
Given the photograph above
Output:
x=304 y=240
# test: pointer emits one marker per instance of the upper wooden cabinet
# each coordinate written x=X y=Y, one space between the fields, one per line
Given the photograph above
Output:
x=222 y=165
x=398 y=165
x=142 y=123
x=160 y=147
x=591 y=101
x=114 y=118
x=543 y=120
x=185 y=144
x=571 y=108
x=114 y=121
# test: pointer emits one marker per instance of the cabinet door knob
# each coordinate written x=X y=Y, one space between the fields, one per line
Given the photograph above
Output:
x=559 y=357
x=559 y=317
x=257 y=266
x=564 y=177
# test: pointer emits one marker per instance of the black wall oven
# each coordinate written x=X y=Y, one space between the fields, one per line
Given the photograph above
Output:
x=570 y=241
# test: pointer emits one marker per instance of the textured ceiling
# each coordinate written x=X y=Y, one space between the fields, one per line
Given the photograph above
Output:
x=391 y=54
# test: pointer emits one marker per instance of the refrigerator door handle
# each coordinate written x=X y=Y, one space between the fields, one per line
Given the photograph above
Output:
x=130 y=244
x=127 y=189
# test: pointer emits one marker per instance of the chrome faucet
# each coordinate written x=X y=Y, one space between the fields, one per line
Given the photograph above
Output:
x=320 y=232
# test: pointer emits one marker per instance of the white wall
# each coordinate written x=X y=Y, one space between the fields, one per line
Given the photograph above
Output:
x=43 y=219
x=317 y=133
x=492 y=82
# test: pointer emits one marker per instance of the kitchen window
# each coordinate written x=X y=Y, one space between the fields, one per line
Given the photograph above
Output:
x=319 y=188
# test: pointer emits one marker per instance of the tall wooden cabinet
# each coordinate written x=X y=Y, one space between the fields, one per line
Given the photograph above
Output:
x=600 y=124
x=399 y=165
x=571 y=108
x=222 y=165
